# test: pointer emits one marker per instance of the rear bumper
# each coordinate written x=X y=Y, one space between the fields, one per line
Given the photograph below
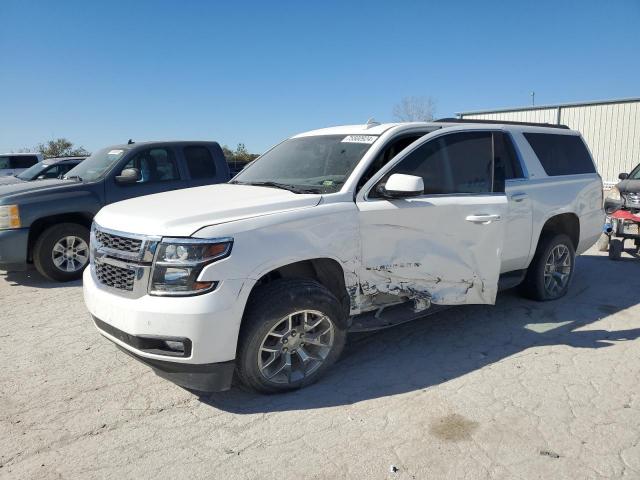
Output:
x=13 y=249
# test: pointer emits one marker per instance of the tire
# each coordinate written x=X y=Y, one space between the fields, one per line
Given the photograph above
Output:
x=271 y=307
x=616 y=246
x=603 y=242
x=539 y=283
x=56 y=265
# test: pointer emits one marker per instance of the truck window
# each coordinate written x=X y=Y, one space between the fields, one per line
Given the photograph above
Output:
x=23 y=161
x=155 y=165
x=388 y=153
x=561 y=154
x=200 y=163
x=455 y=163
x=4 y=163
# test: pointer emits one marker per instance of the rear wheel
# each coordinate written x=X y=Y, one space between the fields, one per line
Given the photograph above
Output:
x=551 y=270
x=616 y=246
x=292 y=332
x=62 y=252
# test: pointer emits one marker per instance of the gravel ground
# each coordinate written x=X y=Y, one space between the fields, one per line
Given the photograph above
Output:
x=519 y=390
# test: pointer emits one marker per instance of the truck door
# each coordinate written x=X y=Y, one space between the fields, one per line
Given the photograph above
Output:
x=445 y=245
x=159 y=173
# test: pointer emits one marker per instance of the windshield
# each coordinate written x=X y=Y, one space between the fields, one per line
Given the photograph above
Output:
x=316 y=164
x=635 y=173
x=32 y=172
x=96 y=165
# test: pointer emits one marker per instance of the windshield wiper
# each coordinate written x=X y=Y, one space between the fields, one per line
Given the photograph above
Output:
x=283 y=186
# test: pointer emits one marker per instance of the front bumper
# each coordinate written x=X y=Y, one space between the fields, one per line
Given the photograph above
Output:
x=13 y=249
x=210 y=323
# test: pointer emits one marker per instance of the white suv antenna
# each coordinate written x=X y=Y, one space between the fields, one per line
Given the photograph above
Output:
x=371 y=123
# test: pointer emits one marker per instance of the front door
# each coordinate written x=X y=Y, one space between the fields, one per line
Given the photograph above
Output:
x=159 y=172
x=443 y=246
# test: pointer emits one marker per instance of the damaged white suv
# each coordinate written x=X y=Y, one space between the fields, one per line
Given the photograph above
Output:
x=340 y=229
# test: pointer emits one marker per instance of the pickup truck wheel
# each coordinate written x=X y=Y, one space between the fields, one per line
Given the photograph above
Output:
x=551 y=270
x=62 y=252
x=292 y=332
x=615 y=249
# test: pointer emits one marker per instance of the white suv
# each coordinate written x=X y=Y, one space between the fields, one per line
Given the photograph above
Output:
x=345 y=228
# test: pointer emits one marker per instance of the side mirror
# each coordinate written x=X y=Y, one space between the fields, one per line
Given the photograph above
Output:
x=128 y=176
x=40 y=177
x=623 y=176
x=400 y=185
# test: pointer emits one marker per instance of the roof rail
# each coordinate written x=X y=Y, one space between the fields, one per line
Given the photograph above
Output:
x=499 y=122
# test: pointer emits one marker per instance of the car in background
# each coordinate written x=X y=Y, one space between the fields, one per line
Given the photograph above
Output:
x=14 y=163
x=47 y=222
x=47 y=168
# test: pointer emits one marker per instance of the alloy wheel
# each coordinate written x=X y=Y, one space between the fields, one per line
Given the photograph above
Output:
x=296 y=346
x=557 y=270
x=70 y=254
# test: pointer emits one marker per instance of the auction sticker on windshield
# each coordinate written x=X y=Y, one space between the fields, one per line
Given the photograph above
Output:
x=359 y=139
x=114 y=152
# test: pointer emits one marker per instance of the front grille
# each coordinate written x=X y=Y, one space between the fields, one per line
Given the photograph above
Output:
x=116 y=277
x=116 y=242
x=633 y=199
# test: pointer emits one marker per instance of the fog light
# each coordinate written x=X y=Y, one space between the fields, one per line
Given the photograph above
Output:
x=174 y=346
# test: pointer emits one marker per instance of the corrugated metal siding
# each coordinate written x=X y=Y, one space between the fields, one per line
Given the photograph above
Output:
x=543 y=115
x=611 y=130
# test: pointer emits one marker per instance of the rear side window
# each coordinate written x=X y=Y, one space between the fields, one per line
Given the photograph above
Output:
x=455 y=163
x=23 y=161
x=5 y=163
x=200 y=162
x=561 y=154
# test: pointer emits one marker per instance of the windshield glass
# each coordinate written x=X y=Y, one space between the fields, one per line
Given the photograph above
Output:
x=96 y=165
x=32 y=172
x=635 y=173
x=317 y=164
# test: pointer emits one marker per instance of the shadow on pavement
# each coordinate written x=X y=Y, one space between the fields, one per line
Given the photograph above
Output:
x=431 y=351
x=31 y=278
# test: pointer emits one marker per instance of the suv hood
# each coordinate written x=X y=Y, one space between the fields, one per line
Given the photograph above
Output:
x=181 y=213
x=629 y=186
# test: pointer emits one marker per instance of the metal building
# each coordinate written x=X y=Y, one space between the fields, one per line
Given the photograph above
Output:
x=611 y=128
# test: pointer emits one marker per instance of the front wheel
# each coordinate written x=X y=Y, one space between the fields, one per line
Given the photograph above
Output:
x=62 y=252
x=292 y=332
x=615 y=249
x=551 y=270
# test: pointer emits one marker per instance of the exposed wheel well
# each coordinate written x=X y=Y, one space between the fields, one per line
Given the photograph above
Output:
x=41 y=224
x=325 y=271
x=567 y=223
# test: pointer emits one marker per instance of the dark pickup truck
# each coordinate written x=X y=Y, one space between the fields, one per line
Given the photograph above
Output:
x=48 y=222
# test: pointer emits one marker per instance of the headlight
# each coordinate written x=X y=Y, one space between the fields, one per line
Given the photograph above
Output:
x=614 y=194
x=9 y=217
x=179 y=261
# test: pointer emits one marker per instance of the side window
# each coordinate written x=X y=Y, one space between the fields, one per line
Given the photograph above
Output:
x=200 y=163
x=506 y=157
x=23 y=161
x=561 y=154
x=155 y=165
x=54 y=172
x=455 y=163
x=5 y=164
x=390 y=151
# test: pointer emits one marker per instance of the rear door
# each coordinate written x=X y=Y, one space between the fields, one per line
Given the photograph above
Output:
x=201 y=166
x=159 y=171
x=445 y=245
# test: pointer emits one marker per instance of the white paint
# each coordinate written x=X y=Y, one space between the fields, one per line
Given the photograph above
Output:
x=448 y=249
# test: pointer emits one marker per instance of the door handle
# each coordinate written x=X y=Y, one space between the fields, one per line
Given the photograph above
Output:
x=483 y=218
x=518 y=197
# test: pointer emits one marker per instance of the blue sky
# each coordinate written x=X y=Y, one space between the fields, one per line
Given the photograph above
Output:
x=100 y=73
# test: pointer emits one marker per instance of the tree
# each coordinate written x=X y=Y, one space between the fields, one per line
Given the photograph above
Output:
x=60 y=147
x=415 y=109
x=238 y=156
